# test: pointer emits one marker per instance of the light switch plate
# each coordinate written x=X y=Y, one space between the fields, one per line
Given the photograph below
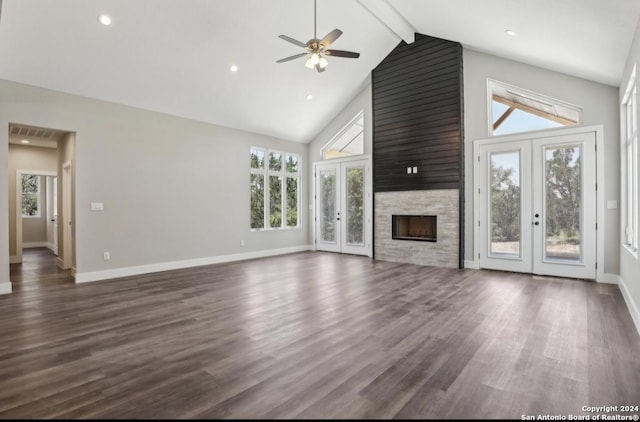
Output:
x=408 y=170
x=97 y=206
x=415 y=170
x=612 y=204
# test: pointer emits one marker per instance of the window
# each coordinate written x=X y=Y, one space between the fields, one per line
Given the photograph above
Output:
x=516 y=110
x=30 y=195
x=275 y=181
x=629 y=165
x=349 y=141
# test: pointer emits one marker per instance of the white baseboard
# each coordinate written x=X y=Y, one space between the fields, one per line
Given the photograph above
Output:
x=5 y=288
x=633 y=307
x=474 y=265
x=60 y=263
x=51 y=247
x=14 y=260
x=27 y=245
x=176 y=265
x=608 y=278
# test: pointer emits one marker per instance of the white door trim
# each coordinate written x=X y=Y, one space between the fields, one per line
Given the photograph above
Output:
x=19 y=174
x=66 y=262
x=601 y=276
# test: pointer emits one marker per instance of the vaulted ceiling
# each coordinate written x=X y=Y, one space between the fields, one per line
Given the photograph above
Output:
x=174 y=56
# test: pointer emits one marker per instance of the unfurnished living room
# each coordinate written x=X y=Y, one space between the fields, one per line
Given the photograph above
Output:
x=334 y=209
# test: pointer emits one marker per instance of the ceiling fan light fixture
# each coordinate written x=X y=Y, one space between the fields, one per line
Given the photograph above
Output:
x=315 y=48
x=309 y=63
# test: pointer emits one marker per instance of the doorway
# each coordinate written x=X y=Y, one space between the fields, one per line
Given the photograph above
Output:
x=51 y=151
x=33 y=209
x=537 y=204
x=343 y=206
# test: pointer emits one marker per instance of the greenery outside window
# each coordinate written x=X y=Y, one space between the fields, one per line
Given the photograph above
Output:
x=31 y=195
x=275 y=184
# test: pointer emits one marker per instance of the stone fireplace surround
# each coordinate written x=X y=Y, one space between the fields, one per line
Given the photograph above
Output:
x=444 y=203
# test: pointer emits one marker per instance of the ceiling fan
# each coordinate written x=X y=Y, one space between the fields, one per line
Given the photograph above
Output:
x=317 y=49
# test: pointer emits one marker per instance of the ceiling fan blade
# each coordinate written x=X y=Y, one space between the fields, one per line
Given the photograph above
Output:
x=330 y=37
x=319 y=69
x=342 y=53
x=296 y=56
x=293 y=41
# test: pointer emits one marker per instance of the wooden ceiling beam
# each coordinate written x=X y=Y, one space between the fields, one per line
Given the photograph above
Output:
x=562 y=120
x=502 y=118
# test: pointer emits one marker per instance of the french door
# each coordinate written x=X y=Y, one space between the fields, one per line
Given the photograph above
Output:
x=343 y=206
x=537 y=201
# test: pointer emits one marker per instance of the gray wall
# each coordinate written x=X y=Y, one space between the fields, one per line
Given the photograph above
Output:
x=629 y=264
x=600 y=106
x=25 y=158
x=173 y=189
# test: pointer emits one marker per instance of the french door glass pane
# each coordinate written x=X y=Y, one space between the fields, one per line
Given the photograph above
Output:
x=563 y=203
x=355 y=206
x=505 y=204
x=328 y=207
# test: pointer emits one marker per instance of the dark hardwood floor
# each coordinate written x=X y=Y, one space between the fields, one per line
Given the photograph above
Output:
x=315 y=335
x=38 y=270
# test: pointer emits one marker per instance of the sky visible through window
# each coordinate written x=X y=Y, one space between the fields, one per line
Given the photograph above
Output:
x=519 y=121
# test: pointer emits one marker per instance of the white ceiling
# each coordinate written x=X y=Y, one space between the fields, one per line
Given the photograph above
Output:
x=173 y=56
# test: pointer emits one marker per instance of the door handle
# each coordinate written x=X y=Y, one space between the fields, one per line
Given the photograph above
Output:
x=537 y=223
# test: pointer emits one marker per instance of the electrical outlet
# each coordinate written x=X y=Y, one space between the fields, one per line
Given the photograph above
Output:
x=106 y=256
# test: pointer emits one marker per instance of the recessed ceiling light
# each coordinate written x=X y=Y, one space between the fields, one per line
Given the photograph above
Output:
x=511 y=32
x=310 y=97
x=104 y=19
x=24 y=141
x=233 y=68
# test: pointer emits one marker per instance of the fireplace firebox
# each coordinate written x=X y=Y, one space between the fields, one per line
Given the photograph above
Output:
x=415 y=227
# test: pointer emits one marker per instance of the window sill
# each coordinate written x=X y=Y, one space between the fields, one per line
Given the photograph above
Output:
x=31 y=216
x=633 y=252
x=275 y=229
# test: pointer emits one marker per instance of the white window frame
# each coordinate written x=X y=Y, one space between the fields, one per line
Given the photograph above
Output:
x=266 y=173
x=526 y=93
x=358 y=116
x=38 y=195
x=629 y=166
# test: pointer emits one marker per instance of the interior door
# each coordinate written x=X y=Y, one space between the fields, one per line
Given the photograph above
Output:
x=537 y=203
x=343 y=206
x=54 y=208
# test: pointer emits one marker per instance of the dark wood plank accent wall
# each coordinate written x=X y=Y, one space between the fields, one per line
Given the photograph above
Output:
x=417 y=116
